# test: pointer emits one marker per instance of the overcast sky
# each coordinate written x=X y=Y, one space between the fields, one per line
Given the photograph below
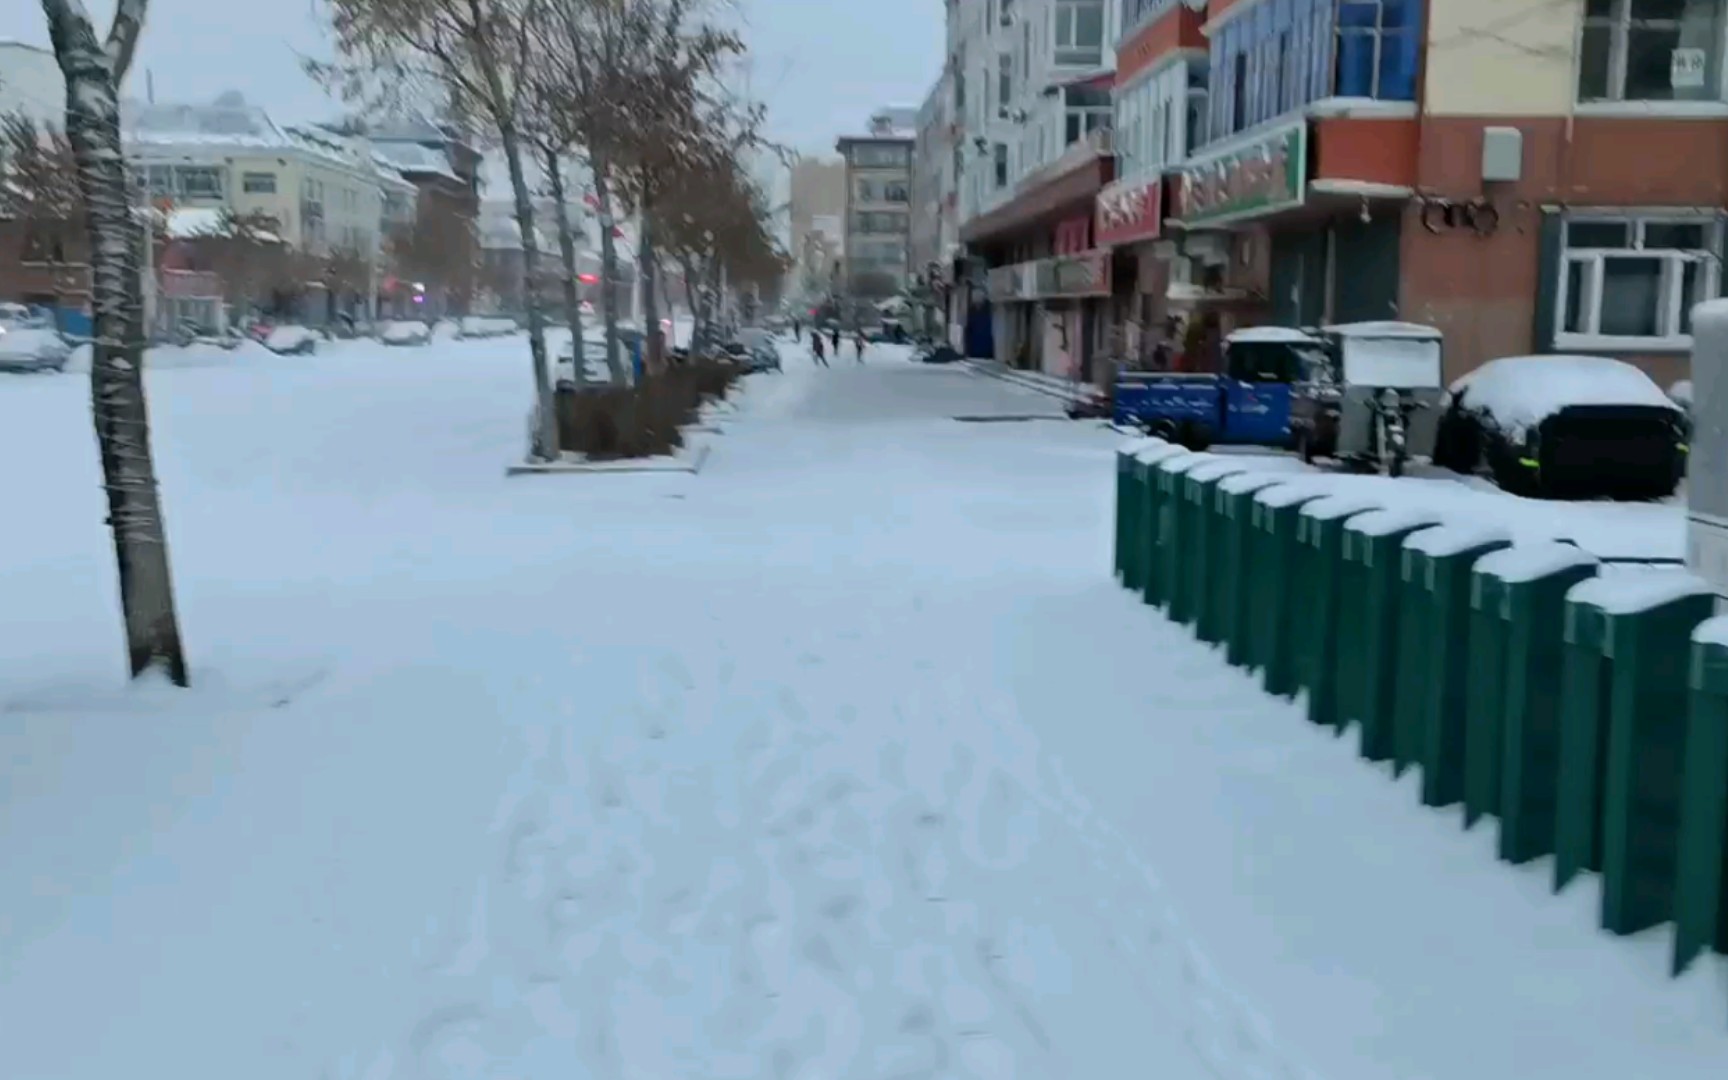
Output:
x=822 y=66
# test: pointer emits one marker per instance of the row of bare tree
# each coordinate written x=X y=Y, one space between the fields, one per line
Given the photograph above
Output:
x=632 y=88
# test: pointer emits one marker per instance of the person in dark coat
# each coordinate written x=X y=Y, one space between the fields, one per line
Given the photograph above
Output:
x=795 y=330
x=834 y=339
x=858 y=344
x=818 y=348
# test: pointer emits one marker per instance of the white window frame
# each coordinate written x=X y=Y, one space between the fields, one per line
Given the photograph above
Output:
x=1620 y=32
x=1672 y=298
x=183 y=189
x=1065 y=21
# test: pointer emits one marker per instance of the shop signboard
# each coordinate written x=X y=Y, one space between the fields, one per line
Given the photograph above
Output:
x=1130 y=213
x=1085 y=274
x=1247 y=180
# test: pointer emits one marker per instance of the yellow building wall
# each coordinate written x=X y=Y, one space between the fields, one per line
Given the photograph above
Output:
x=1502 y=57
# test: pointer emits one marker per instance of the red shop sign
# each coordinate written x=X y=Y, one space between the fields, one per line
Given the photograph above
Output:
x=1130 y=213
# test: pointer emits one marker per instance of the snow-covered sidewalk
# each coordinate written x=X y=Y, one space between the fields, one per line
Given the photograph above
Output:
x=841 y=759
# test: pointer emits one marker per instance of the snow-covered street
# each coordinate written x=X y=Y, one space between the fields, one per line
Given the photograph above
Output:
x=843 y=758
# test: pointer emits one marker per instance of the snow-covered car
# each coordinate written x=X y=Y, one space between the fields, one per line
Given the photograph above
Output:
x=292 y=341
x=755 y=349
x=406 y=332
x=23 y=317
x=32 y=349
x=1569 y=427
x=476 y=326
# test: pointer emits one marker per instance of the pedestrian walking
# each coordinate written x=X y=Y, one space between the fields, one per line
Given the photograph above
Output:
x=795 y=329
x=834 y=339
x=858 y=344
x=818 y=348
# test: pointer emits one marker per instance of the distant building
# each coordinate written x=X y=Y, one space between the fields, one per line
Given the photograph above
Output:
x=878 y=205
x=818 y=233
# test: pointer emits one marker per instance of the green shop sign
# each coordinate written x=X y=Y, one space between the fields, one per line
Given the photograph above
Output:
x=1259 y=177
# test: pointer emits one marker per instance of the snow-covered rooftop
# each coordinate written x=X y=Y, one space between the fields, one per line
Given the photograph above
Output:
x=414 y=159
x=1384 y=329
x=1271 y=335
x=229 y=121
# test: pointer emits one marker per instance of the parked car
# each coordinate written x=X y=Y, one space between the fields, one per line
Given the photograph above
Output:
x=32 y=349
x=755 y=349
x=406 y=332
x=1565 y=427
x=292 y=341
x=21 y=317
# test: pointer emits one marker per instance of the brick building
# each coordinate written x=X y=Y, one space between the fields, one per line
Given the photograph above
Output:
x=1557 y=184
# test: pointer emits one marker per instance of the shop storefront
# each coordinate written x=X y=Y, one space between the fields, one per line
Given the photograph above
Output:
x=1288 y=246
x=1130 y=224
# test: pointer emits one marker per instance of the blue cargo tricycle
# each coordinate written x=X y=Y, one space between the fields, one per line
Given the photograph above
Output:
x=1247 y=405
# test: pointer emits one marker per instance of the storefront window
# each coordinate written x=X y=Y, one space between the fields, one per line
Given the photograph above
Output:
x=1634 y=280
x=1651 y=50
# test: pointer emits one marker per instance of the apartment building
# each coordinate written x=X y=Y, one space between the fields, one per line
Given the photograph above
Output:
x=878 y=206
x=325 y=192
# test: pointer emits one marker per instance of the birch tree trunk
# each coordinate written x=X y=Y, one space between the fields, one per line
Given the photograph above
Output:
x=546 y=430
x=567 y=250
x=94 y=71
x=648 y=266
x=608 y=269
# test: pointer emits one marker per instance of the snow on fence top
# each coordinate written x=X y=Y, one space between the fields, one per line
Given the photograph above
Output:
x=1218 y=467
x=1340 y=505
x=1527 y=562
x=1452 y=539
x=1180 y=464
x=1387 y=522
x=1244 y=483
x=1624 y=590
x=1291 y=490
x=1712 y=631
x=1164 y=451
x=1522 y=391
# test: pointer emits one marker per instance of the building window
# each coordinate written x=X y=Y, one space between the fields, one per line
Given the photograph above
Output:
x=1004 y=82
x=1651 y=50
x=1378 y=42
x=199 y=181
x=1239 y=93
x=894 y=191
x=864 y=190
x=1000 y=152
x=1079 y=32
x=1633 y=280
x=258 y=183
